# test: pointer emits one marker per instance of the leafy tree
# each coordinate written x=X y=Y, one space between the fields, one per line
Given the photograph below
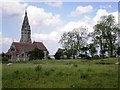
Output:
x=92 y=49
x=105 y=35
x=118 y=51
x=36 y=54
x=73 y=40
x=59 y=54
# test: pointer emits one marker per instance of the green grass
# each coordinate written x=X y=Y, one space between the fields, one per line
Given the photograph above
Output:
x=61 y=74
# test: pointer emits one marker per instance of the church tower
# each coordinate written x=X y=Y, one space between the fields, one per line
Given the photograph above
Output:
x=25 y=30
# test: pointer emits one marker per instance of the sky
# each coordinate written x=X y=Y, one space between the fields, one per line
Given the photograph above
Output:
x=49 y=20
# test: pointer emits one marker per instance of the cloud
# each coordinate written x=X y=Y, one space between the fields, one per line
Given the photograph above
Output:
x=54 y=36
x=55 y=4
x=85 y=22
x=40 y=19
x=82 y=10
x=5 y=40
x=13 y=8
x=103 y=12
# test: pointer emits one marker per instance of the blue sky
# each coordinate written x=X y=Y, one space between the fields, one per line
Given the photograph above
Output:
x=49 y=20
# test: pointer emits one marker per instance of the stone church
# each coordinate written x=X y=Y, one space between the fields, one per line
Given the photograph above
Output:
x=19 y=50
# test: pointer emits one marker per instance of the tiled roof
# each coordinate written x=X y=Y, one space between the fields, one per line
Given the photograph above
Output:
x=26 y=47
x=10 y=53
x=40 y=46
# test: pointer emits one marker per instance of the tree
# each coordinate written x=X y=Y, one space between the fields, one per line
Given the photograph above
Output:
x=92 y=49
x=73 y=40
x=105 y=35
x=36 y=54
x=59 y=54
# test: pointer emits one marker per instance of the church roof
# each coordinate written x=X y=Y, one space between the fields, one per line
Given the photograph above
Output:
x=26 y=47
x=40 y=45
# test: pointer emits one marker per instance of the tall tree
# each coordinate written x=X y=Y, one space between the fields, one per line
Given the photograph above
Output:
x=73 y=40
x=105 y=35
x=92 y=49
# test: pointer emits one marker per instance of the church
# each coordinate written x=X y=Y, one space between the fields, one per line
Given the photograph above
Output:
x=19 y=50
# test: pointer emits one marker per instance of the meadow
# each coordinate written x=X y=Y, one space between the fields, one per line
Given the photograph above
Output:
x=102 y=73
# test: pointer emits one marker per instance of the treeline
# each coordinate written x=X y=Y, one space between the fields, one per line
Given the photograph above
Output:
x=102 y=42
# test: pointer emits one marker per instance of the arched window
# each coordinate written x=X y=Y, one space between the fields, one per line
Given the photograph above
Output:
x=22 y=54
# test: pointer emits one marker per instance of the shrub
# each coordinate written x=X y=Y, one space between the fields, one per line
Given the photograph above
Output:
x=38 y=68
x=36 y=54
x=5 y=59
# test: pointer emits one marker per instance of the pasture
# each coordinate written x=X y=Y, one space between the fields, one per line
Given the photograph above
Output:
x=102 y=73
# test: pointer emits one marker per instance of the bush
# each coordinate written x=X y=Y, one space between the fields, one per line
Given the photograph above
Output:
x=36 y=54
x=38 y=68
x=5 y=59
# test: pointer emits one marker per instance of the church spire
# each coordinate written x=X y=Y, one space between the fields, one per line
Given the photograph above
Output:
x=25 y=30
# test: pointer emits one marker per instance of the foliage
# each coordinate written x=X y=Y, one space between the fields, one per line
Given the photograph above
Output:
x=59 y=54
x=36 y=54
x=73 y=40
x=5 y=59
x=105 y=35
x=92 y=49
x=118 y=51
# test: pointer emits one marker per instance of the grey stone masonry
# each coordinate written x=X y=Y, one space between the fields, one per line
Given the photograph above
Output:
x=25 y=31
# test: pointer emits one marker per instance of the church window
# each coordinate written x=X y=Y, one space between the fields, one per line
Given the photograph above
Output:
x=22 y=54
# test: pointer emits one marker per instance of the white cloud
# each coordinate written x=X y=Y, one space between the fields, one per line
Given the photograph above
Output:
x=82 y=10
x=5 y=40
x=39 y=18
x=55 y=4
x=13 y=8
x=102 y=12
x=76 y=24
x=54 y=36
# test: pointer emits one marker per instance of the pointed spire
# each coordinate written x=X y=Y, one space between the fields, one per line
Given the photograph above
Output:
x=25 y=11
x=25 y=21
x=25 y=31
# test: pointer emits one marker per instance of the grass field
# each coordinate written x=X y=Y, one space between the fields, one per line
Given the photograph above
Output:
x=61 y=74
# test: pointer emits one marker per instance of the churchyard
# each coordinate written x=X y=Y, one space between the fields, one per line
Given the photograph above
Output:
x=77 y=73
